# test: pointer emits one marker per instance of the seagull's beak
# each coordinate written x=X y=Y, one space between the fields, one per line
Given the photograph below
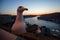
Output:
x=26 y=9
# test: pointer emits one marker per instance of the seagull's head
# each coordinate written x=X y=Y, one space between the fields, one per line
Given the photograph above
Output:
x=21 y=9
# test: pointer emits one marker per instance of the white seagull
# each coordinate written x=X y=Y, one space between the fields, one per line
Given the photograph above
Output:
x=19 y=27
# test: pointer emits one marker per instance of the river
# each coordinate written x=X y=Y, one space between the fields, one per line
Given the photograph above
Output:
x=51 y=25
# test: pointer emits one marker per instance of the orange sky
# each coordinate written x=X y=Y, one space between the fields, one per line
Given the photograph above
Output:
x=28 y=13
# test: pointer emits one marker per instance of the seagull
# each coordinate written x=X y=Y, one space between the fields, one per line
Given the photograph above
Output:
x=19 y=26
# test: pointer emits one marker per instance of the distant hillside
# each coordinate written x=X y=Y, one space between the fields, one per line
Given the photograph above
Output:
x=53 y=17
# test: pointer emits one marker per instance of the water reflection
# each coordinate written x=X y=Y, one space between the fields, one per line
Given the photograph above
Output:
x=34 y=20
x=55 y=28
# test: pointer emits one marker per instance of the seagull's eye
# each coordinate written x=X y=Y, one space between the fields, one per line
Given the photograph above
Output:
x=20 y=7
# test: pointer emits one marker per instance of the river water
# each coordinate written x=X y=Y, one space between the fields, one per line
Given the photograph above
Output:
x=40 y=23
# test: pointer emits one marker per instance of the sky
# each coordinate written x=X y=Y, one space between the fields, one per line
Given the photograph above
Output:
x=35 y=7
